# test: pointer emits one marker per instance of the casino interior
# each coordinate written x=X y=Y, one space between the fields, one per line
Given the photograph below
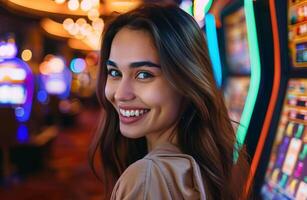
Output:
x=49 y=60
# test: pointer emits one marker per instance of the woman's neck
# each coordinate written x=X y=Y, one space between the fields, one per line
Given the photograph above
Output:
x=156 y=139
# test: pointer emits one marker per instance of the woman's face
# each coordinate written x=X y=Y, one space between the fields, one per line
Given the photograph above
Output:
x=146 y=103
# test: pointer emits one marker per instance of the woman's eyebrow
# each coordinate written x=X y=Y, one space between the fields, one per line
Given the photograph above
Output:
x=111 y=63
x=144 y=63
x=135 y=64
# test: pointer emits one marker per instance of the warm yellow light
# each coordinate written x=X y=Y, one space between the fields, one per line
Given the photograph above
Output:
x=54 y=28
x=42 y=6
x=59 y=1
x=98 y=24
x=81 y=22
x=68 y=24
x=86 y=5
x=26 y=55
x=73 y=4
x=95 y=2
x=74 y=30
x=121 y=6
x=86 y=29
x=93 y=14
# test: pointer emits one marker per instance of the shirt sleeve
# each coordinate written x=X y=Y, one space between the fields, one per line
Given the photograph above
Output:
x=142 y=180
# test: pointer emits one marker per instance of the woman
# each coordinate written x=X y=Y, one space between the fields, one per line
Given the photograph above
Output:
x=166 y=133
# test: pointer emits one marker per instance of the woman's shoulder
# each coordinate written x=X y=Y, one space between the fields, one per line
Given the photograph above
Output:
x=169 y=158
x=166 y=173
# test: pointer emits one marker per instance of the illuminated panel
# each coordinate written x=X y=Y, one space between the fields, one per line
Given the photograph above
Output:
x=55 y=85
x=58 y=84
x=236 y=42
x=12 y=83
x=235 y=96
x=237 y=56
x=16 y=87
x=12 y=94
x=11 y=74
x=297 y=26
x=286 y=175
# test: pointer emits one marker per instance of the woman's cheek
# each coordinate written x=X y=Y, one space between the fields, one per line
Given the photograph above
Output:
x=109 y=91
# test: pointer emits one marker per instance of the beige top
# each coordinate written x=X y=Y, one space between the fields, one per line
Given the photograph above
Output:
x=165 y=173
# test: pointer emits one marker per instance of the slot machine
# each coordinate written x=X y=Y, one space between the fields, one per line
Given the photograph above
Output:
x=16 y=86
x=245 y=52
x=55 y=77
x=16 y=95
x=281 y=170
x=54 y=88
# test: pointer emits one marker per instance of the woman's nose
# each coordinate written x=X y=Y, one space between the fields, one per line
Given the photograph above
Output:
x=124 y=91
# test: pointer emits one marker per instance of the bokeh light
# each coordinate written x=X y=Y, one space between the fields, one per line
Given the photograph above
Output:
x=26 y=55
x=73 y=4
x=42 y=96
x=77 y=65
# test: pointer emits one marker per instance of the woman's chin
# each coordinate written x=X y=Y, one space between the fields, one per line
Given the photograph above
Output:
x=131 y=135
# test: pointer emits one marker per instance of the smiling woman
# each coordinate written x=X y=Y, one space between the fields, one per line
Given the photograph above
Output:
x=166 y=133
x=147 y=105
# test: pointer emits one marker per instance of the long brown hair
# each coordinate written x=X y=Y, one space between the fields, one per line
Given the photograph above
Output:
x=205 y=130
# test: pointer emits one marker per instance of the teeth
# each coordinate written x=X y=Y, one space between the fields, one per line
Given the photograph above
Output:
x=132 y=113
x=127 y=113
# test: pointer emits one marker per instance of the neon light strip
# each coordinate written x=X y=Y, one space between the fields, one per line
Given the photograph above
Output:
x=213 y=48
x=273 y=100
x=255 y=72
x=208 y=6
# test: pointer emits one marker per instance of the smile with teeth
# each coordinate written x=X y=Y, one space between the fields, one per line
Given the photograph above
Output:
x=133 y=113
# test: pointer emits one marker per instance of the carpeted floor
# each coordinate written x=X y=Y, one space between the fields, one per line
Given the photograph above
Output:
x=66 y=175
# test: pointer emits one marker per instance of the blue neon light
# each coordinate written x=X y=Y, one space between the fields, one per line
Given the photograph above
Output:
x=42 y=96
x=22 y=133
x=213 y=48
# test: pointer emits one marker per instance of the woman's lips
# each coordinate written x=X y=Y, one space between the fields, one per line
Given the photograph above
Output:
x=129 y=117
x=130 y=120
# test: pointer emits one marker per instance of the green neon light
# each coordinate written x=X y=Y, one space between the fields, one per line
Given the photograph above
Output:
x=208 y=6
x=255 y=72
x=187 y=6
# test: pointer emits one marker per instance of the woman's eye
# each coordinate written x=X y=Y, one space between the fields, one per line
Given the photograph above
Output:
x=144 y=75
x=114 y=73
